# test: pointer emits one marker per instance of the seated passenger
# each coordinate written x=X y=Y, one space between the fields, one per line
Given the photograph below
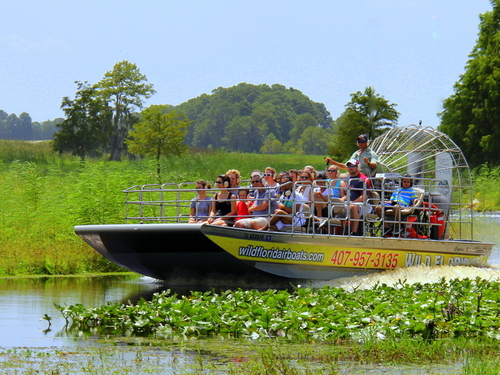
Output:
x=280 y=176
x=201 y=204
x=294 y=174
x=312 y=170
x=243 y=204
x=402 y=197
x=304 y=187
x=321 y=193
x=260 y=208
x=356 y=198
x=270 y=179
x=285 y=214
x=334 y=180
x=223 y=211
x=234 y=180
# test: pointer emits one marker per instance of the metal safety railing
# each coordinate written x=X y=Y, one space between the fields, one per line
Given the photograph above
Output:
x=440 y=212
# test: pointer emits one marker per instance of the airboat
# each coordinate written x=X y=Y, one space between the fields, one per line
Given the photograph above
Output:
x=156 y=239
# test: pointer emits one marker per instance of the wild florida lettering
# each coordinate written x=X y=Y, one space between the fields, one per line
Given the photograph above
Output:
x=280 y=254
x=413 y=259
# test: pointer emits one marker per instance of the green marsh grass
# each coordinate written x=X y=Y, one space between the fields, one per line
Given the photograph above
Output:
x=44 y=195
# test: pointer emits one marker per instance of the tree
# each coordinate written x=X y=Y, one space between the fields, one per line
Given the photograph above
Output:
x=241 y=117
x=272 y=145
x=25 y=126
x=87 y=127
x=314 y=141
x=471 y=116
x=366 y=113
x=46 y=129
x=159 y=134
x=301 y=123
x=125 y=88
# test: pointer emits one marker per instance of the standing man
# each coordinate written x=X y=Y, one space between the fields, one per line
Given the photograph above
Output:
x=367 y=158
x=356 y=198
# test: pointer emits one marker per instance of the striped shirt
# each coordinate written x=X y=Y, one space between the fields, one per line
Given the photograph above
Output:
x=403 y=196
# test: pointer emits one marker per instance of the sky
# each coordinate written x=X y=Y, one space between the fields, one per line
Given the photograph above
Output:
x=410 y=51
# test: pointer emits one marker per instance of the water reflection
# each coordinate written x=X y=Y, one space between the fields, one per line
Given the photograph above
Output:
x=25 y=300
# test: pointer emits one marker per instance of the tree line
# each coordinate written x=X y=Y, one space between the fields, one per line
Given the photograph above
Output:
x=108 y=117
x=104 y=118
x=22 y=128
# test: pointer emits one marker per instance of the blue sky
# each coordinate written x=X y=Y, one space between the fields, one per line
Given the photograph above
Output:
x=410 y=51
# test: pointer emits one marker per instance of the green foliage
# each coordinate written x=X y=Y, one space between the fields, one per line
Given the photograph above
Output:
x=159 y=134
x=240 y=118
x=486 y=192
x=367 y=113
x=46 y=129
x=471 y=116
x=314 y=141
x=87 y=127
x=272 y=145
x=449 y=309
x=14 y=127
x=44 y=196
x=125 y=89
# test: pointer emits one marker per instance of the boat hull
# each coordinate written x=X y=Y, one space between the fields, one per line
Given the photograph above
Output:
x=179 y=254
x=194 y=254
x=306 y=256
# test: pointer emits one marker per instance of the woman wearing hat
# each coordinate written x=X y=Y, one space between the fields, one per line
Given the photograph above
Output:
x=366 y=157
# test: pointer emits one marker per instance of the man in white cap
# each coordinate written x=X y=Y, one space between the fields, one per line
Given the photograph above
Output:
x=366 y=157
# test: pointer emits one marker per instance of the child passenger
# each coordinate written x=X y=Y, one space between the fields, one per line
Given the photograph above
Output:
x=243 y=203
x=402 y=197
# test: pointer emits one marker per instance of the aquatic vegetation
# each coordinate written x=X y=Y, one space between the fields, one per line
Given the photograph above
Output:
x=449 y=309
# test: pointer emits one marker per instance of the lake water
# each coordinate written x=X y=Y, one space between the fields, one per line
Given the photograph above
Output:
x=24 y=301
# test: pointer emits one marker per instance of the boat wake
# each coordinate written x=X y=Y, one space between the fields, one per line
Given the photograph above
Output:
x=411 y=275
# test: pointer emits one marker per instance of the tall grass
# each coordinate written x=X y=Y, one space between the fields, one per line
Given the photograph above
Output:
x=42 y=196
x=486 y=191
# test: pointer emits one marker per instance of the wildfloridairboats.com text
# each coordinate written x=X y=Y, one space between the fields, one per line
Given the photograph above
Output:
x=281 y=254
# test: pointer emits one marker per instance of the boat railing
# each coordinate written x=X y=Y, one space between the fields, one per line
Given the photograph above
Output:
x=171 y=202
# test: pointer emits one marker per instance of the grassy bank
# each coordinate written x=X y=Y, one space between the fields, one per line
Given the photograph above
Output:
x=44 y=195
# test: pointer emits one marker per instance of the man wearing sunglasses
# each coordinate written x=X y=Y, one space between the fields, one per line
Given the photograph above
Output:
x=366 y=157
x=260 y=209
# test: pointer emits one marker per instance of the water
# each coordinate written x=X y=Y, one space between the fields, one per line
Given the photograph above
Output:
x=24 y=301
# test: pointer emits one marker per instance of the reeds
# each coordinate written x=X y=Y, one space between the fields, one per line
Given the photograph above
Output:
x=43 y=195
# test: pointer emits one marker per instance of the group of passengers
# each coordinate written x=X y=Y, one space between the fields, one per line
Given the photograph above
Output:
x=273 y=201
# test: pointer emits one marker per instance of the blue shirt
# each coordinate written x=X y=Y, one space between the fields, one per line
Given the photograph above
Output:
x=268 y=195
x=201 y=207
x=403 y=196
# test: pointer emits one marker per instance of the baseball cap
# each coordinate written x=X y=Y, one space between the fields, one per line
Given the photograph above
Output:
x=362 y=136
x=352 y=162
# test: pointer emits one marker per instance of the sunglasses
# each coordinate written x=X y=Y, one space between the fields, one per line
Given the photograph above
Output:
x=255 y=182
x=268 y=174
x=331 y=170
x=361 y=140
x=304 y=177
x=219 y=182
